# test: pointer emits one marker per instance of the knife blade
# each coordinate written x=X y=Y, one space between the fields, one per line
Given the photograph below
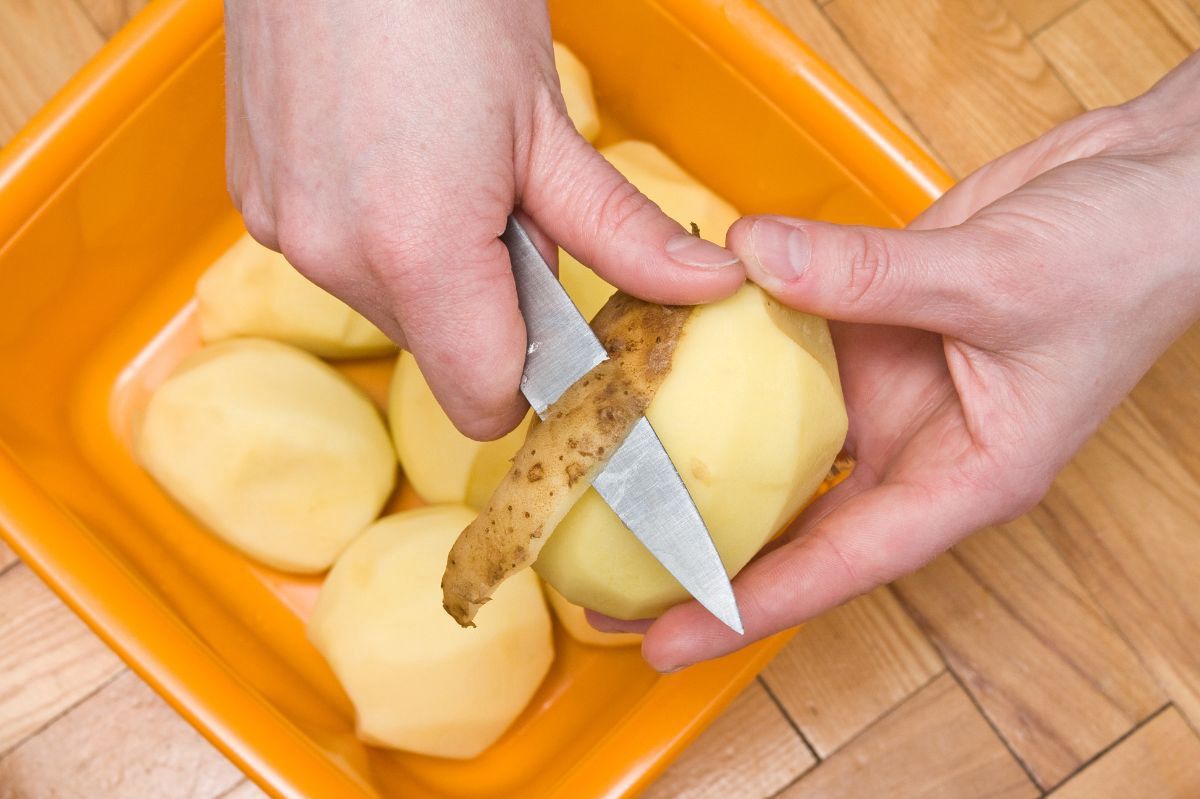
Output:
x=639 y=482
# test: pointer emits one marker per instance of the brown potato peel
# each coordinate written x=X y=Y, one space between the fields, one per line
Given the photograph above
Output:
x=562 y=455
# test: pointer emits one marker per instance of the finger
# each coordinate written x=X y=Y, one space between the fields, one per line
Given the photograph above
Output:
x=460 y=317
x=1082 y=137
x=934 y=280
x=598 y=216
x=870 y=539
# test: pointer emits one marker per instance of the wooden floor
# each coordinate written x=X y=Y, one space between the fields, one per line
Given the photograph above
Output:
x=1058 y=655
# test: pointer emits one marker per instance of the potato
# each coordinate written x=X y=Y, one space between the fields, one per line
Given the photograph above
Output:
x=417 y=680
x=677 y=193
x=437 y=459
x=580 y=431
x=253 y=291
x=576 y=87
x=574 y=621
x=752 y=415
x=272 y=449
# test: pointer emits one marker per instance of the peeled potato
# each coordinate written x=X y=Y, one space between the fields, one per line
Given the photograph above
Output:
x=272 y=449
x=438 y=460
x=677 y=193
x=574 y=621
x=752 y=415
x=253 y=291
x=576 y=87
x=417 y=680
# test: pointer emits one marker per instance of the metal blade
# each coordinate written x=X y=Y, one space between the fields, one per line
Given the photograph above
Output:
x=639 y=482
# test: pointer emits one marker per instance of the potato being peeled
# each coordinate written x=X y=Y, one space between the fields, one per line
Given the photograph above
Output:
x=751 y=413
x=253 y=291
x=441 y=463
x=272 y=449
x=418 y=681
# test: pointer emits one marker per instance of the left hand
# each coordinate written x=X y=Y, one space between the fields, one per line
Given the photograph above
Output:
x=978 y=349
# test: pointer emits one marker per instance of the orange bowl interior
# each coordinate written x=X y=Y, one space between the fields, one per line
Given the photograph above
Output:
x=111 y=205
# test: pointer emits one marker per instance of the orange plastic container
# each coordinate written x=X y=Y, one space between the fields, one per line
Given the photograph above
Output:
x=112 y=201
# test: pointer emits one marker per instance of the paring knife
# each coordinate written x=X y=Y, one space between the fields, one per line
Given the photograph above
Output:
x=639 y=482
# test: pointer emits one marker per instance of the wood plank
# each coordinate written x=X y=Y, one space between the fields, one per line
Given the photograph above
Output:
x=1159 y=761
x=750 y=752
x=109 y=15
x=1167 y=397
x=48 y=658
x=1124 y=515
x=41 y=45
x=963 y=72
x=848 y=667
x=1033 y=15
x=244 y=790
x=806 y=19
x=124 y=741
x=935 y=745
x=7 y=556
x=1108 y=51
x=1035 y=651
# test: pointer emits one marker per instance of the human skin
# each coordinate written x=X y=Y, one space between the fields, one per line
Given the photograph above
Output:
x=978 y=349
x=380 y=145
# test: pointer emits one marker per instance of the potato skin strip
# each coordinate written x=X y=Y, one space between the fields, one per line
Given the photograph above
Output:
x=564 y=453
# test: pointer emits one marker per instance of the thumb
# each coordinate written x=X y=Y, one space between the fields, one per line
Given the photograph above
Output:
x=934 y=280
x=587 y=206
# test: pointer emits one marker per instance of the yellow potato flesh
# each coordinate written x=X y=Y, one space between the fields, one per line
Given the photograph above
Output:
x=677 y=193
x=574 y=621
x=752 y=416
x=253 y=291
x=271 y=449
x=418 y=681
x=576 y=87
x=437 y=459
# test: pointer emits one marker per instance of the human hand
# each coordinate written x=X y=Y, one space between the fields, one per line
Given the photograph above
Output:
x=1049 y=282
x=381 y=145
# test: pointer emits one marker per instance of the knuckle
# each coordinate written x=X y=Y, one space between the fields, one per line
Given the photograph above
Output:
x=615 y=207
x=868 y=265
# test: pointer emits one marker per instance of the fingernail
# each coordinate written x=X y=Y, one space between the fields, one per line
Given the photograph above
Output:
x=780 y=250
x=672 y=670
x=698 y=253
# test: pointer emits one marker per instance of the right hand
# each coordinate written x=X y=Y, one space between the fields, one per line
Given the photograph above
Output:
x=380 y=146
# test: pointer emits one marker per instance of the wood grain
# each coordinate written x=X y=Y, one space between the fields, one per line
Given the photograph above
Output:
x=850 y=666
x=49 y=659
x=806 y=19
x=1032 y=647
x=1033 y=15
x=751 y=751
x=935 y=746
x=1162 y=395
x=41 y=45
x=1109 y=51
x=123 y=742
x=964 y=72
x=109 y=15
x=1159 y=761
x=1125 y=514
x=1182 y=19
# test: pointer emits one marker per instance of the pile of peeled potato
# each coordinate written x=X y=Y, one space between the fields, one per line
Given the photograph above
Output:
x=284 y=458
